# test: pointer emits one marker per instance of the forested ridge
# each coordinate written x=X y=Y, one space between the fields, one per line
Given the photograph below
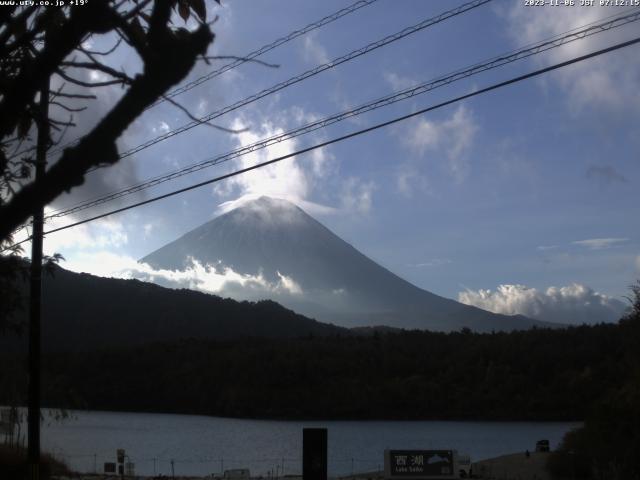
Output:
x=538 y=374
x=86 y=312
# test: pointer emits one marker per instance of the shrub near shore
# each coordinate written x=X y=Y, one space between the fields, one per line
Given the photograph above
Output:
x=13 y=464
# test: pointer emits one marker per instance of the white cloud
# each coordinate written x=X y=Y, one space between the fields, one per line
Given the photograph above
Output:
x=288 y=179
x=573 y=304
x=409 y=179
x=309 y=207
x=147 y=228
x=357 y=195
x=453 y=137
x=284 y=179
x=321 y=159
x=98 y=76
x=313 y=51
x=403 y=183
x=289 y=285
x=599 y=243
x=162 y=128
x=205 y=278
x=397 y=82
x=545 y=248
x=103 y=233
x=609 y=81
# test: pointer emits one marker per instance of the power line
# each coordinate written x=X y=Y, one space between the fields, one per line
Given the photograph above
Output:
x=495 y=86
x=251 y=56
x=262 y=50
x=310 y=73
x=494 y=62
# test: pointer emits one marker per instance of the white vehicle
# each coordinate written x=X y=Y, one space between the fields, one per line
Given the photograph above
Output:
x=237 y=474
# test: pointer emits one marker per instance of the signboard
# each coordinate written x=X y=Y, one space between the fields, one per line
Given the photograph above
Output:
x=120 y=455
x=109 y=467
x=420 y=464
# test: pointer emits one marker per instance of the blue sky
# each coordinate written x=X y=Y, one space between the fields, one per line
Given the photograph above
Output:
x=531 y=185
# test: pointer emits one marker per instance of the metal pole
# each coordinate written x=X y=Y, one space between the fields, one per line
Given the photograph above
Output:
x=35 y=294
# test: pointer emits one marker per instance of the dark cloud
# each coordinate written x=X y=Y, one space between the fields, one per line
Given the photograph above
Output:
x=605 y=174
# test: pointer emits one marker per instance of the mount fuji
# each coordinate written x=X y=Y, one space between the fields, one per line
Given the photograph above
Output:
x=321 y=275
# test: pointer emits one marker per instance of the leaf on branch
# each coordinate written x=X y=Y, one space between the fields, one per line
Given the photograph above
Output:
x=199 y=7
x=183 y=10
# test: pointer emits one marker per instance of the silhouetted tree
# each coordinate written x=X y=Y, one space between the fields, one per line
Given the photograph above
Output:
x=37 y=43
x=607 y=445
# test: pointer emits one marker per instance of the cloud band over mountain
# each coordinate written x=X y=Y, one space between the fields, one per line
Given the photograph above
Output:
x=574 y=304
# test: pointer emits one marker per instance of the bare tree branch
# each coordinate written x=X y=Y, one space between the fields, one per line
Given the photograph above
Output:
x=94 y=65
x=82 y=83
x=198 y=120
x=67 y=108
x=74 y=95
x=101 y=54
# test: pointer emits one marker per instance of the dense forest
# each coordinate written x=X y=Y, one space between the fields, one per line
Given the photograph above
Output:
x=536 y=374
x=608 y=445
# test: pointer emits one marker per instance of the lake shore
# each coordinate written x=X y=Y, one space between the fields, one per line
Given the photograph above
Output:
x=515 y=466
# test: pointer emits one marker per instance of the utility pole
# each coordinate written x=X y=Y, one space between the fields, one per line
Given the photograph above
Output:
x=35 y=294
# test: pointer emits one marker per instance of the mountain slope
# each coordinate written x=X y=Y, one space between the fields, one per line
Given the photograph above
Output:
x=85 y=312
x=275 y=238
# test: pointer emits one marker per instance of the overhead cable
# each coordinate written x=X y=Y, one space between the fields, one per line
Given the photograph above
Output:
x=420 y=89
x=251 y=56
x=310 y=73
x=347 y=136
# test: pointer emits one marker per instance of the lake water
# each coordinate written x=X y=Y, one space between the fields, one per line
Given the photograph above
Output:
x=200 y=445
